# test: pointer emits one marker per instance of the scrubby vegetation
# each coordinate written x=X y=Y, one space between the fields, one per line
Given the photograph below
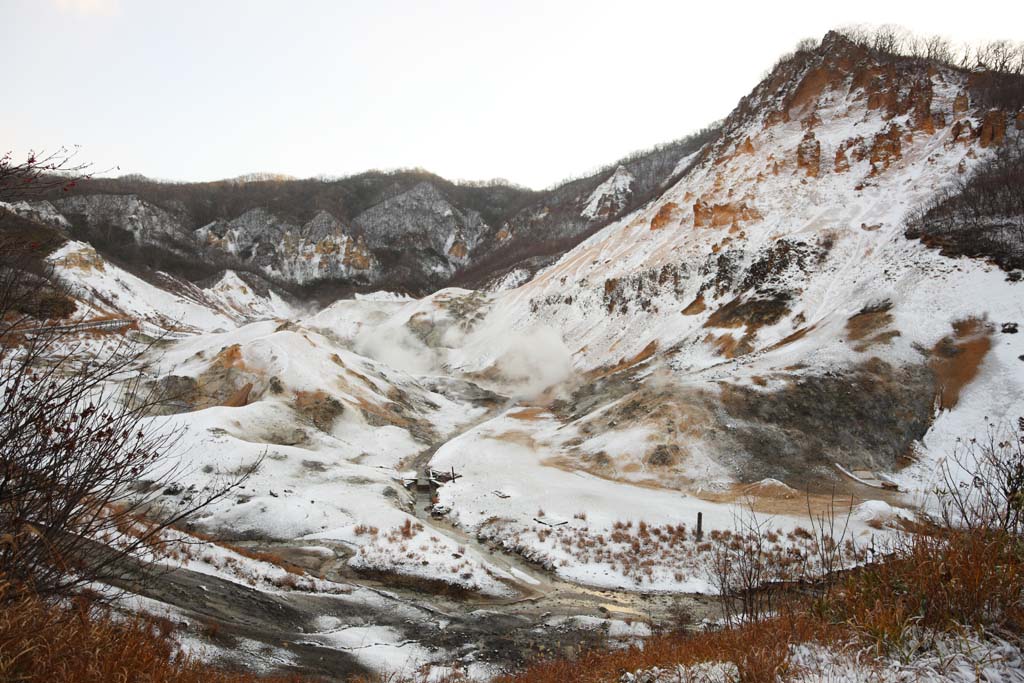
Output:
x=958 y=576
x=81 y=642
x=981 y=215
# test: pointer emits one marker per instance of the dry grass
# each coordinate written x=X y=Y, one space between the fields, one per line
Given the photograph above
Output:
x=250 y=553
x=867 y=328
x=41 y=643
x=937 y=579
x=729 y=346
x=942 y=580
x=647 y=553
x=759 y=650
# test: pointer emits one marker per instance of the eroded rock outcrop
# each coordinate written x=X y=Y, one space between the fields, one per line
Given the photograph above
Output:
x=886 y=149
x=808 y=155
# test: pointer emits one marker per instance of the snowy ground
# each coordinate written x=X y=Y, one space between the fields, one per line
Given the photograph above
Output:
x=519 y=391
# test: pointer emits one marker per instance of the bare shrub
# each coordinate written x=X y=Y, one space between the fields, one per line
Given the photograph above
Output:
x=981 y=215
x=830 y=549
x=73 y=449
x=40 y=173
x=983 y=483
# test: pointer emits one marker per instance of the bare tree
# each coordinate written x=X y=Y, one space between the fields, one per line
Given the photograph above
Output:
x=40 y=173
x=745 y=567
x=830 y=547
x=74 y=450
x=889 y=38
x=74 y=446
x=983 y=483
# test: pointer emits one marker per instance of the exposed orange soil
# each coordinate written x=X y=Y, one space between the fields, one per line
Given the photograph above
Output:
x=240 y=397
x=517 y=437
x=231 y=357
x=664 y=216
x=957 y=358
x=530 y=413
x=696 y=306
x=625 y=363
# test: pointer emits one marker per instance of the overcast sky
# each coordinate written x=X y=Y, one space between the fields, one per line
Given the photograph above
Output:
x=529 y=91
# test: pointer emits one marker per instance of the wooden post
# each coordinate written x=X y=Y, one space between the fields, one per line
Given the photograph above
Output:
x=700 y=525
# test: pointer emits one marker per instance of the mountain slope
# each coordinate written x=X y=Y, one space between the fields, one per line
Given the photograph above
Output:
x=405 y=230
x=761 y=328
x=764 y=322
x=780 y=259
x=738 y=332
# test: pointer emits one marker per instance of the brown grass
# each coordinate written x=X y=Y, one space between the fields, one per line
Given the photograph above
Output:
x=728 y=346
x=867 y=328
x=41 y=643
x=759 y=650
x=865 y=323
x=250 y=553
x=936 y=579
x=942 y=580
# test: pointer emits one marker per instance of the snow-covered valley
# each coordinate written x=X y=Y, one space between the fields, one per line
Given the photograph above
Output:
x=483 y=477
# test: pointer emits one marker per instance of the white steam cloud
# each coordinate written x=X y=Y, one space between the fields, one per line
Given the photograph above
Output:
x=396 y=347
x=533 y=360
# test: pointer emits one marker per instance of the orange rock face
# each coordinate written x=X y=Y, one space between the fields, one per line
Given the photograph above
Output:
x=961 y=103
x=842 y=164
x=919 y=101
x=327 y=246
x=778 y=116
x=664 y=216
x=993 y=128
x=885 y=100
x=701 y=214
x=458 y=250
x=808 y=155
x=1020 y=121
x=810 y=88
x=503 y=235
x=962 y=131
x=746 y=148
x=852 y=146
x=357 y=256
x=886 y=149
x=721 y=215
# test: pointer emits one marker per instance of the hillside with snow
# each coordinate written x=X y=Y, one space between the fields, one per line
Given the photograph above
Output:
x=738 y=331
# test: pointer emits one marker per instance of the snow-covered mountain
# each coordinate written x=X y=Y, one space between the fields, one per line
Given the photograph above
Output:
x=763 y=318
x=164 y=303
x=746 y=320
x=405 y=230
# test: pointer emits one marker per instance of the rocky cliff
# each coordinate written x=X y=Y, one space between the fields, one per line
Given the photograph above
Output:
x=404 y=231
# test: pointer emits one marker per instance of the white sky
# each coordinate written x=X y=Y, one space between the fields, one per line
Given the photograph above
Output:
x=529 y=91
